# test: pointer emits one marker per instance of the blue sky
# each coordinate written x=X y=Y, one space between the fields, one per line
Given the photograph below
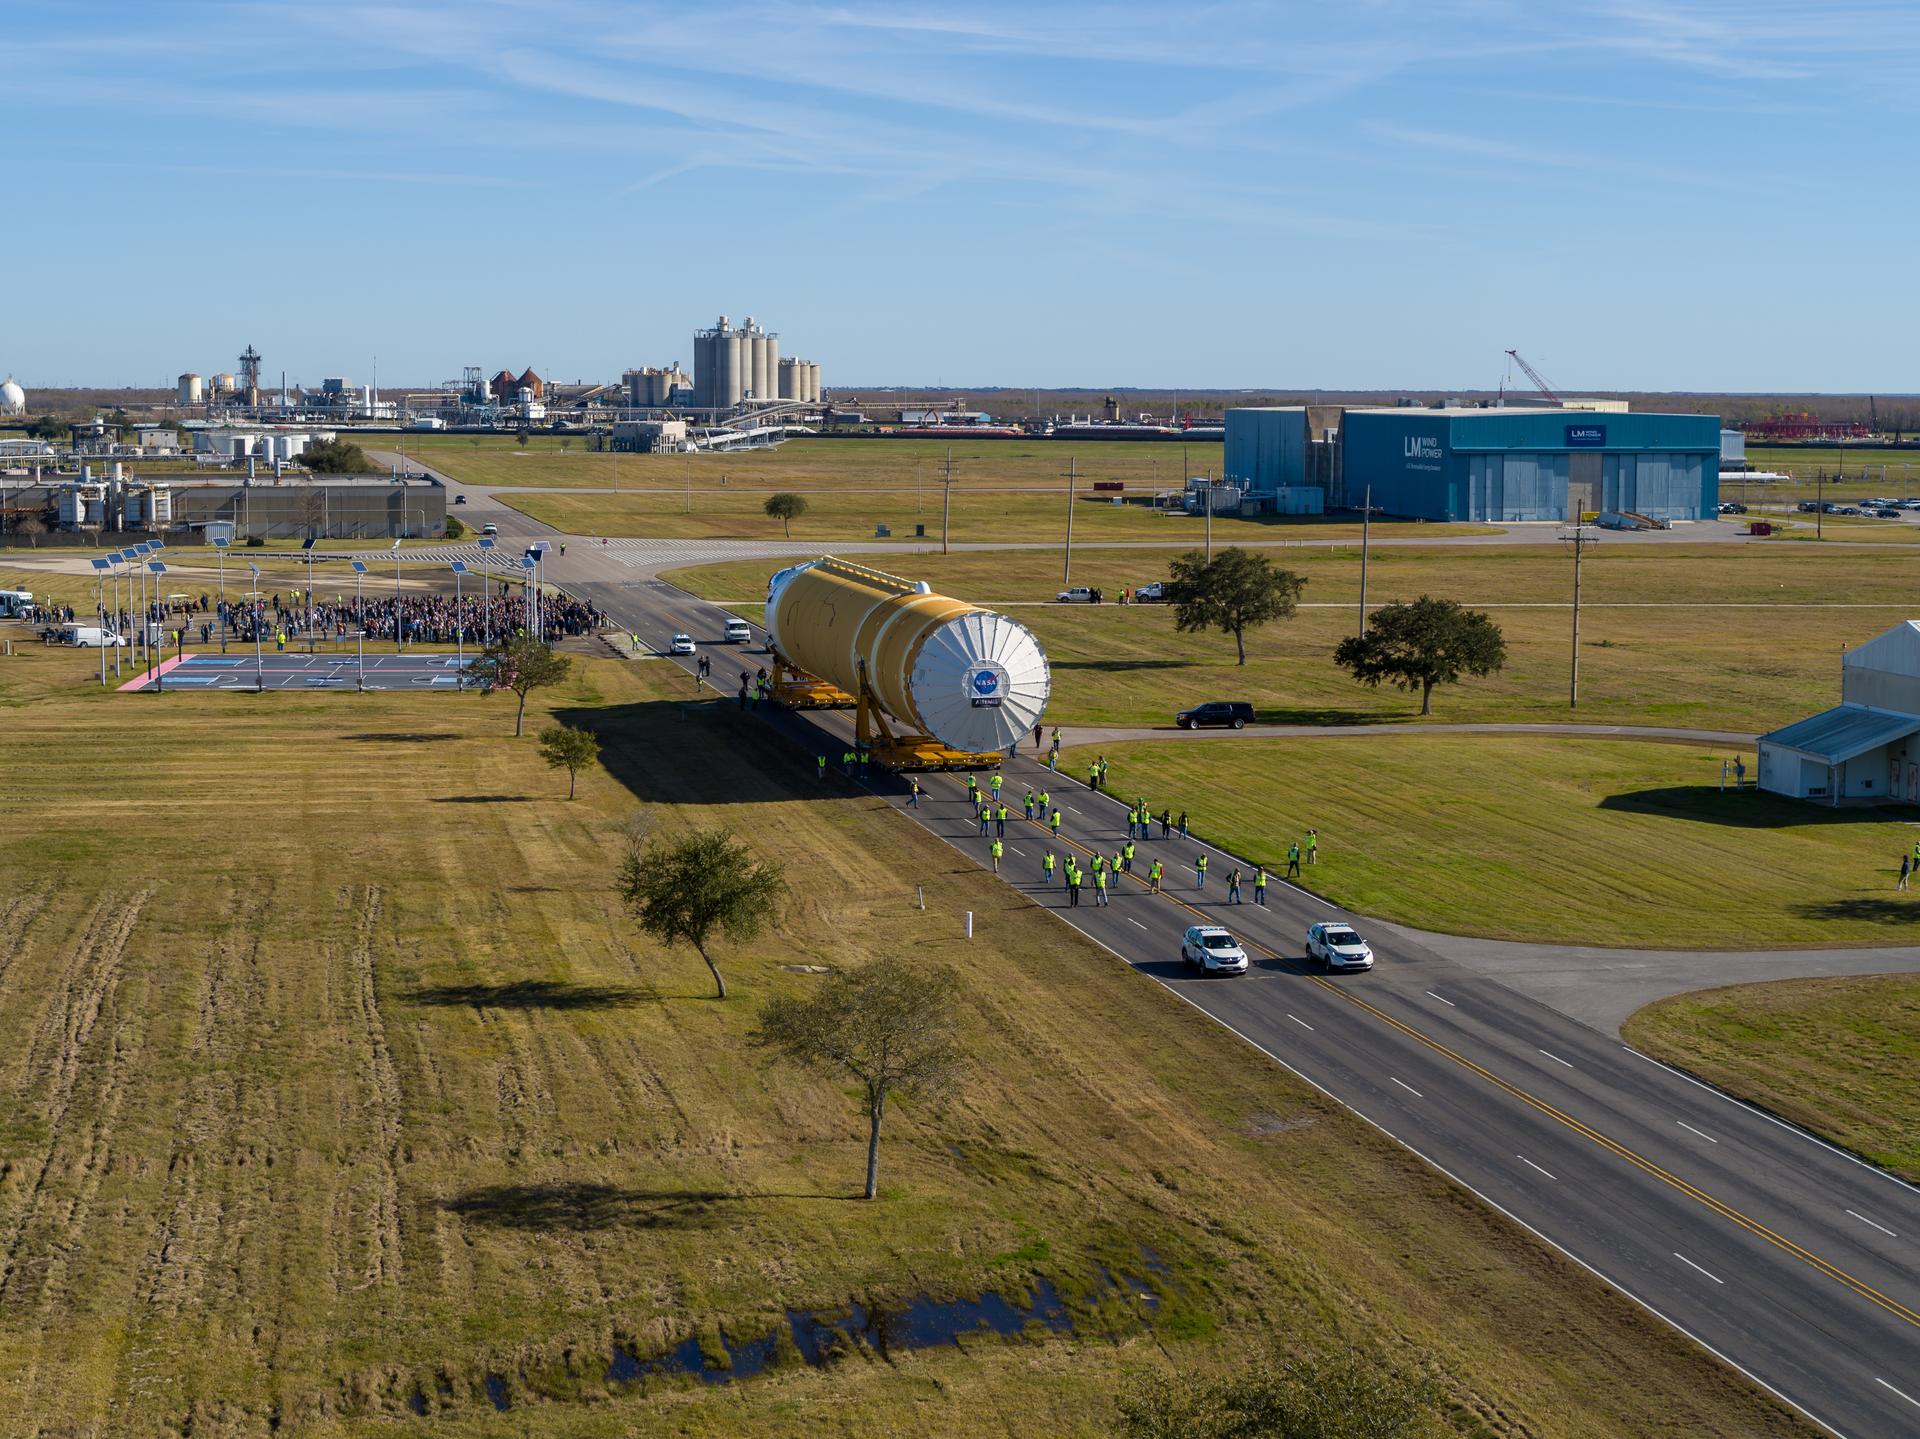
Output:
x=1635 y=193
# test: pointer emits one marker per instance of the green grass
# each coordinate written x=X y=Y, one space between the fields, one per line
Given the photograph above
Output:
x=1577 y=841
x=1835 y=1055
x=328 y=1067
x=1712 y=637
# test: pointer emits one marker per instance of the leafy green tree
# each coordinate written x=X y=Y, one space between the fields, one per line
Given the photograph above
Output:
x=1422 y=644
x=1322 y=1394
x=335 y=457
x=521 y=439
x=692 y=890
x=455 y=530
x=889 y=1024
x=521 y=664
x=1233 y=592
x=786 y=508
x=565 y=747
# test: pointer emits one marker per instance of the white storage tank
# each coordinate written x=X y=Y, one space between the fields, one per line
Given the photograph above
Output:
x=191 y=391
x=160 y=500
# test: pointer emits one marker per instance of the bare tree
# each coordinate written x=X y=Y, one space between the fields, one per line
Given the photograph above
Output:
x=888 y=1024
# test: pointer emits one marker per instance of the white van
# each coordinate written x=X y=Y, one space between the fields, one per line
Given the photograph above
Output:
x=89 y=637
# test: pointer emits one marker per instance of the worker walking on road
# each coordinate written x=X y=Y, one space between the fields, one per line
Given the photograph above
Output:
x=1260 y=885
x=1233 y=885
x=994 y=784
x=1073 y=885
x=1153 y=877
x=1000 y=819
x=1126 y=858
x=973 y=790
x=986 y=819
x=1183 y=824
x=1046 y=870
x=1200 y=868
x=1313 y=846
x=1054 y=823
x=1053 y=755
x=823 y=769
x=1026 y=803
x=996 y=851
x=1046 y=803
x=1293 y=861
x=1166 y=823
x=1099 y=885
x=913 y=794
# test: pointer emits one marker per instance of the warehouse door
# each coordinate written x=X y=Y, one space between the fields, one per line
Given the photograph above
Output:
x=1583 y=482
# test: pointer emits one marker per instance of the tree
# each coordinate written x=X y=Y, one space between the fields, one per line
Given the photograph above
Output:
x=335 y=457
x=564 y=747
x=521 y=439
x=1234 y=592
x=566 y=442
x=455 y=530
x=688 y=891
x=786 y=508
x=520 y=664
x=889 y=1024
x=1323 y=1394
x=1419 y=645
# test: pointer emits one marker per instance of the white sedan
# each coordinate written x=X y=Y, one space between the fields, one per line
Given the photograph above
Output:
x=682 y=645
x=1334 y=945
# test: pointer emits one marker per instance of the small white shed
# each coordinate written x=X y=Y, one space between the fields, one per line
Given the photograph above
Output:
x=1867 y=746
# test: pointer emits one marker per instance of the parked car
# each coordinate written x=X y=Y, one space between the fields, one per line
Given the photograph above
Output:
x=459 y=499
x=1332 y=944
x=1212 y=950
x=739 y=632
x=1078 y=595
x=682 y=645
x=1225 y=714
x=1887 y=512
x=1853 y=510
x=1732 y=507
x=1151 y=594
x=1808 y=507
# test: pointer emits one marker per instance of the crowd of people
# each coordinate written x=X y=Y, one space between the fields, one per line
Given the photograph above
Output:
x=414 y=619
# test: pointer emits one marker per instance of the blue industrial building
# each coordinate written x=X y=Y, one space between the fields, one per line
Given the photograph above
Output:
x=1528 y=464
x=1266 y=448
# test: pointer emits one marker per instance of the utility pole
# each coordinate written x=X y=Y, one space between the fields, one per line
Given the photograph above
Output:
x=1819 y=504
x=1366 y=535
x=1066 y=568
x=1581 y=540
x=1208 y=493
x=946 y=505
x=689 y=484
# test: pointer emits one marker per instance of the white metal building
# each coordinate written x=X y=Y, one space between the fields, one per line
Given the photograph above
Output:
x=1867 y=746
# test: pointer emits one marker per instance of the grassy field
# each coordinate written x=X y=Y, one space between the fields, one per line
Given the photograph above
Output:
x=1708 y=637
x=1584 y=841
x=818 y=464
x=331 y=1078
x=979 y=515
x=1835 y=1055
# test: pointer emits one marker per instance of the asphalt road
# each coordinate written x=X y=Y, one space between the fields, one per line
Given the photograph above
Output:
x=1785 y=1257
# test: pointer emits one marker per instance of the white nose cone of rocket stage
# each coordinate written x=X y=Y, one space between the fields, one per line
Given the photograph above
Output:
x=980 y=682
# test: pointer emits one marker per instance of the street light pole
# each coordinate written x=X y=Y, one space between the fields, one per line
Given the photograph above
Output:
x=459 y=617
x=1066 y=567
x=221 y=546
x=259 y=664
x=398 y=631
x=100 y=603
x=360 y=623
x=1366 y=536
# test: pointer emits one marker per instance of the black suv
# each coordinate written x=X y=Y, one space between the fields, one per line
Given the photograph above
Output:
x=1231 y=713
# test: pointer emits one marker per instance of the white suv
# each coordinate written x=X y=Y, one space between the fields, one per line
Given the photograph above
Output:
x=739 y=632
x=1333 y=945
x=1211 y=950
x=682 y=645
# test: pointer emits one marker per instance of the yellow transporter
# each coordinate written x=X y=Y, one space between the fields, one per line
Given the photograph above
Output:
x=966 y=682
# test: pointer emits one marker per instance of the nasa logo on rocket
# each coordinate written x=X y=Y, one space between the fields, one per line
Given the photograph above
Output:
x=987 y=684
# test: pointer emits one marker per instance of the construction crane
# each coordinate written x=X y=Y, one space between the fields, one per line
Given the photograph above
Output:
x=1539 y=380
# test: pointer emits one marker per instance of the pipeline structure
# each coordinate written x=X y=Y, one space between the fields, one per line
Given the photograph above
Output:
x=963 y=683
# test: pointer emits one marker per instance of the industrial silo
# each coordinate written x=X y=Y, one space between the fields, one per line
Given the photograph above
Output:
x=735 y=368
x=191 y=389
x=771 y=380
x=813 y=383
x=787 y=368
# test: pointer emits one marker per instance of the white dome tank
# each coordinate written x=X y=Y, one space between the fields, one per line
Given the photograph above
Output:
x=13 y=399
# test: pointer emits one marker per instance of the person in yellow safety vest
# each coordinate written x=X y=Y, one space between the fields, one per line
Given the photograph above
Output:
x=1126 y=858
x=997 y=848
x=1099 y=884
x=1233 y=885
x=913 y=794
x=1099 y=864
x=1055 y=822
x=823 y=767
x=1026 y=803
x=1046 y=803
x=1073 y=884
x=280 y=639
x=1000 y=819
x=994 y=783
x=1153 y=876
x=1200 y=868
x=986 y=819
x=973 y=789
x=1293 y=861
x=1093 y=776
x=1260 y=885
x=1046 y=868
x=1313 y=846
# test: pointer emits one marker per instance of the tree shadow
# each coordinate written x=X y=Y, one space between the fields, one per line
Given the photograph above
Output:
x=580 y=1206
x=1751 y=809
x=483 y=799
x=1117 y=665
x=398 y=738
x=1871 y=909
x=530 y=994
